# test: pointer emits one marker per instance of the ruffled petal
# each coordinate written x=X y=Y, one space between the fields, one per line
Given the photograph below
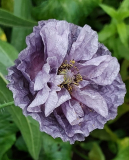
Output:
x=77 y=107
x=86 y=44
x=70 y=113
x=42 y=78
x=102 y=70
x=51 y=102
x=55 y=38
x=40 y=98
x=92 y=99
x=63 y=96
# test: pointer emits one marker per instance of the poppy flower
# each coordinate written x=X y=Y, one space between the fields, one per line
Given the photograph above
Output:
x=66 y=80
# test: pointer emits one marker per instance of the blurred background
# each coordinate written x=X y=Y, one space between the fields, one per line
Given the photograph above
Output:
x=20 y=138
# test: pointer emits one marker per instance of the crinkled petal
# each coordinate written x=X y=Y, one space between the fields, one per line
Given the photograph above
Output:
x=63 y=96
x=70 y=113
x=40 y=98
x=102 y=70
x=77 y=107
x=92 y=99
x=57 y=79
x=55 y=38
x=42 y=78
x=53 y=62
x=86 y=44
x=51 y=102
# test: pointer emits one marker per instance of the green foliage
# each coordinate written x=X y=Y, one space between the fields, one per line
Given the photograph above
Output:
x=21 y=10
x=7 y=132
x=55 y=149
x=7 y=4
x=96 y=153
x=9 y=19
x=20 y=144
x=101 y=134
x=29 y=130
x=73 y=11
x=123 y=149
x=116 y=28
x=7 y=54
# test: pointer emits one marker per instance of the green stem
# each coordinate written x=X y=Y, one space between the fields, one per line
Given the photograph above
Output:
x=6 y=104
x=113 y=135
x=81 y=155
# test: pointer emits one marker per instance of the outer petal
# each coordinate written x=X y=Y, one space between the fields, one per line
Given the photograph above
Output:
x=55 y=38
x=32 y=58
x=86 y=44
x=19 y=86
x=92 y=99
x=102 y=70
x=113 y=95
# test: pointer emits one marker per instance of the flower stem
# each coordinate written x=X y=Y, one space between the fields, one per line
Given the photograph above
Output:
x=6 y=104
x=81 y=155
x=110 y=132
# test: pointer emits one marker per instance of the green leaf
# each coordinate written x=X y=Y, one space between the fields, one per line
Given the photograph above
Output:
x=38 y=2
x=7 y=54
x=122 y=110
x=30 y=131
x=113 y=147
x=7 y=127
x=111 y=133
x=5 y=157
x=28 y=127
x=5 y=94
x=107 y=32
x=109 y=10
x=7 y=132
x=6 y=143
x=55 y=149
x=20 y=144
x=124 y=69
x=122 y=15
x=96 y=153
x=74 y=11
x=88 y=145
x=123 y=149
x=117 y=47
x=3 y=69
x=122 y=31
x=8 y=19
x=101 y=134
x=121 y=50
x=21 y=9
x=7 y=5
x=124 y=6
x=127 y=88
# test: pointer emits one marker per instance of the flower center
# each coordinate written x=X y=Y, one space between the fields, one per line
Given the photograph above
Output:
x=71 y=75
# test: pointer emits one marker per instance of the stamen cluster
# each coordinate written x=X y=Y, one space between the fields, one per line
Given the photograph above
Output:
x=72 y=79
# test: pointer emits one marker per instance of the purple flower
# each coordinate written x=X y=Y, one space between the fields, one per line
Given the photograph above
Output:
x=66 y=80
